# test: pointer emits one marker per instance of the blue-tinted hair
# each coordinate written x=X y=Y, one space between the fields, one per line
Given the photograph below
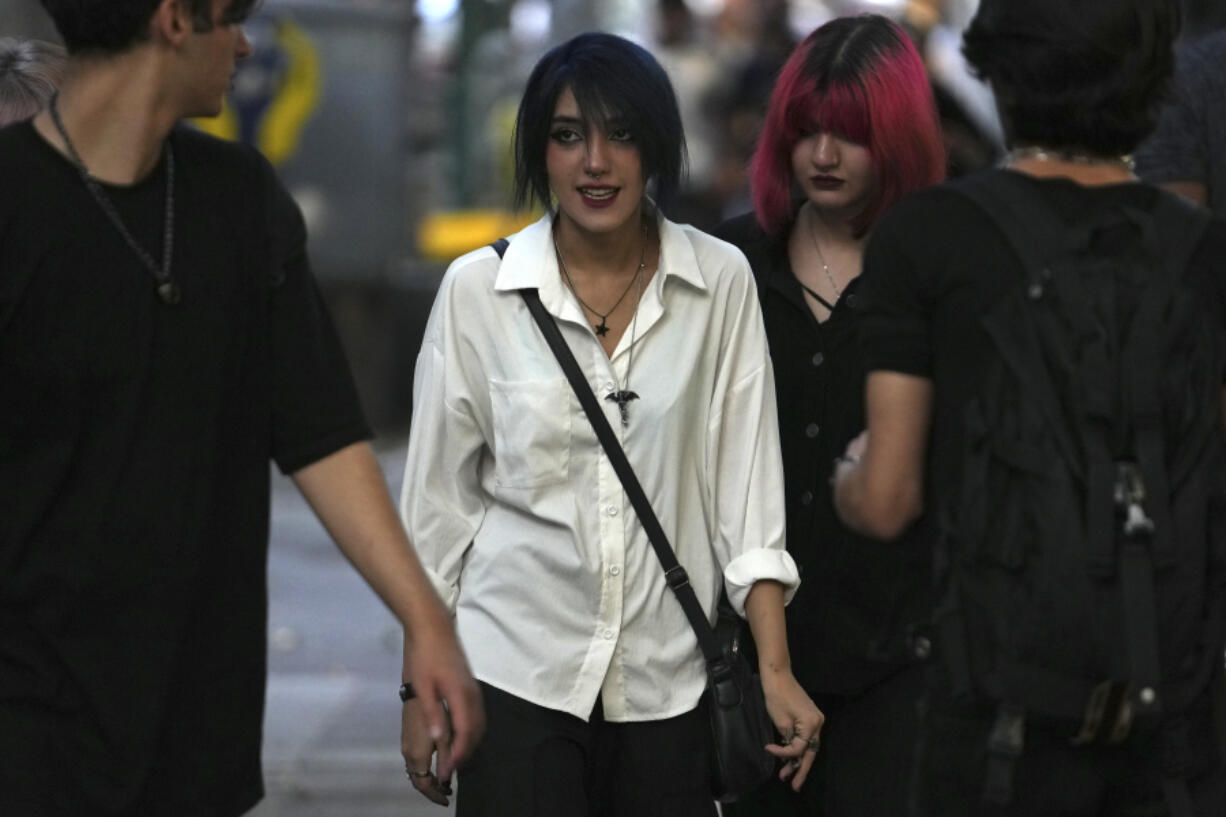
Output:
x=613 y=80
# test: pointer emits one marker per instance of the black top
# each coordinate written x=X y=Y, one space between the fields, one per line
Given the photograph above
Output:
x=134 y=486
x=856 y=595
x=936 y=263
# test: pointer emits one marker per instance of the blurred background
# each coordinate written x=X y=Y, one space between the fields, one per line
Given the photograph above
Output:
x=390 y=123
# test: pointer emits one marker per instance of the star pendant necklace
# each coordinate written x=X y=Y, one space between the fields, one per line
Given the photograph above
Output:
x=167 y=288
x=624 y=395
x=602 y=328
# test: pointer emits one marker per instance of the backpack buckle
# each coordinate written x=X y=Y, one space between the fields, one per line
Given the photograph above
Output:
x=1006 y=742
x=1108 y=717
x=1130 y=498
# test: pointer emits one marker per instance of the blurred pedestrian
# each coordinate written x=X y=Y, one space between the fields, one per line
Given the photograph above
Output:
x=590 y=671
x=1187 y=152
x=1045 y=353
x=30 y=71
x=851 y=127
x=161 y=338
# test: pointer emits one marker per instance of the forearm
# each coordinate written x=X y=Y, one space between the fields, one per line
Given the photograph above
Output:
x=879 y=483
x=348 y=494
x=764 y=611
x=876 y=511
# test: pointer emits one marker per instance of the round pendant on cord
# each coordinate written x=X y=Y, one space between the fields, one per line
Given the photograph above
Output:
x=169 y=292
x=164 y=284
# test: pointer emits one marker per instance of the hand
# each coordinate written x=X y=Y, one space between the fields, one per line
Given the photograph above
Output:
x=797 y=719
x=419 y=749
x=857 y=446
x=444 y=722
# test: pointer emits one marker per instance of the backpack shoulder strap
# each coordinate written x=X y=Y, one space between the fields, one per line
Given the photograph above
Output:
x=1020 y=212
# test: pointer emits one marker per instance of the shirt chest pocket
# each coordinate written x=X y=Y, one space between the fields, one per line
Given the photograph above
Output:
x=531 y=431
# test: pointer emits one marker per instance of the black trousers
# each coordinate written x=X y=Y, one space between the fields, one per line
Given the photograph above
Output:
x=1052 y=778
x=868 y=744
x=538 y=762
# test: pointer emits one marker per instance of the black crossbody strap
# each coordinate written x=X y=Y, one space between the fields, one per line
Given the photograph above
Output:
x=674 y=573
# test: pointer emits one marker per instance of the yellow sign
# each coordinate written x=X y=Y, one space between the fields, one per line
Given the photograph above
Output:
x=276 y=89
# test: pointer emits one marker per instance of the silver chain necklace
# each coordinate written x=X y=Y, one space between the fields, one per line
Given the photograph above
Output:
x=1041 y=154
x=624 y=395
x=167 y=288
x=838 y=293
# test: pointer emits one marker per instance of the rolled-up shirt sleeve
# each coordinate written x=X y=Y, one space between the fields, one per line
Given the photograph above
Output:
x=746 y=460
x=441 y=502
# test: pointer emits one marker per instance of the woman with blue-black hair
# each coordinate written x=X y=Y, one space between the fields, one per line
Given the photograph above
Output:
x=590 y=672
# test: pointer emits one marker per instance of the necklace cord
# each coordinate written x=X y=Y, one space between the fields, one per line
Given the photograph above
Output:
x=624 y=395
x=602 y=328
x=167 y=288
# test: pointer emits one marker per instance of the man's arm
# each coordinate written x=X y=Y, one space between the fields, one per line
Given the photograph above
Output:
x=879 y=484
x=1193 y=190
x=348 y=494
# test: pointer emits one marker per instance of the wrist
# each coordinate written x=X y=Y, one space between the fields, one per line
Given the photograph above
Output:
x=774 y=667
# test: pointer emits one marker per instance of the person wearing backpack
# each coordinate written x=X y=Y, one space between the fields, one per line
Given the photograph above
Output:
x=1045 y=353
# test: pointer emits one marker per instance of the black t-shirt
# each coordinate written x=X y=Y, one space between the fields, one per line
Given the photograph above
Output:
x=856 y=595
x=135 y=439
x=936 y=263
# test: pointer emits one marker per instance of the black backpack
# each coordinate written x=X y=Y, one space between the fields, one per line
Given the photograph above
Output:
x=1083 y=560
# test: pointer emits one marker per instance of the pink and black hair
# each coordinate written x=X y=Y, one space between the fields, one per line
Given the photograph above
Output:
x=861 y=79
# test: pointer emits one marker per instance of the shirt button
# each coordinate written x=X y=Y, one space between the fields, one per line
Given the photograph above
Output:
x=811 y=430
x=852 y=300
x=615 y=570
x=818 y=359
x=608 y=385
x=608 y=635
x=806 y=498
x=611 y=510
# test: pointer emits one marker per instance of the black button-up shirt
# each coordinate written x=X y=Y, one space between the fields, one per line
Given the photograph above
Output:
x=856 y=594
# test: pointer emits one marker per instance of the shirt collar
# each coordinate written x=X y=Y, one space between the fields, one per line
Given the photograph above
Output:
x=530 y=261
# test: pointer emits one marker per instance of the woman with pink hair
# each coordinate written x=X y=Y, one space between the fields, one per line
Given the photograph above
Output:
x=850 y=129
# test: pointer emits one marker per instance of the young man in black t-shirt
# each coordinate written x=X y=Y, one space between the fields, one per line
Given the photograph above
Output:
x=161 y=338
x=1078 y=84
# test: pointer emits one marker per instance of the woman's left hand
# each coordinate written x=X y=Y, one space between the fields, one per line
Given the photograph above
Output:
x=798 y=721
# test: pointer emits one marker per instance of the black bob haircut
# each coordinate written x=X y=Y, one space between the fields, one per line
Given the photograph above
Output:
x=112 y=26
x=1080 y=75
x=613 y=80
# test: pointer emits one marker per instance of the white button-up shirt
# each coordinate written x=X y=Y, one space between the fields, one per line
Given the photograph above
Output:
x=516 y=512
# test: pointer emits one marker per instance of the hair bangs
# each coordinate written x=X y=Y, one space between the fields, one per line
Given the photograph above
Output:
x=860 y=79
x=603 y=106
x=616 y=85
x=842 y=109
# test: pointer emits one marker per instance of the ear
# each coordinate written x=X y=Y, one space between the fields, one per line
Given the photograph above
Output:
x=171 y=22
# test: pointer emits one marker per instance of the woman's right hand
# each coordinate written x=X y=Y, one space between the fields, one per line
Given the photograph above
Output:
x=798 y=721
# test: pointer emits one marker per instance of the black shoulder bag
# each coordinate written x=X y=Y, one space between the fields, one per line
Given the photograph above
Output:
x=740 y=725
